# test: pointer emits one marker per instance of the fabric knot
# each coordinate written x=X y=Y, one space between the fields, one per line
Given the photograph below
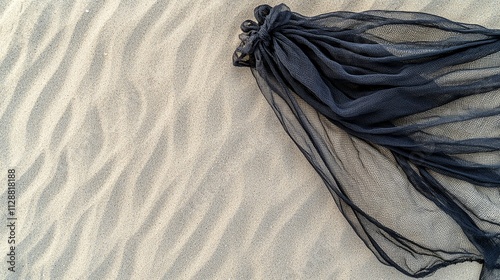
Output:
x=261 y=12
x=264 y=36
x=269 y=20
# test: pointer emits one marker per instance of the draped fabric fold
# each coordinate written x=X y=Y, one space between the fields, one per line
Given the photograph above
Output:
x=399 y=113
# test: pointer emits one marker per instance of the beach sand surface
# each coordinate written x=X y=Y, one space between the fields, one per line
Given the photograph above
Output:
x=140 y=152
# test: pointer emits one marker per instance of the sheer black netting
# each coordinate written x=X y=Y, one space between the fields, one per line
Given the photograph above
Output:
x=399 y=113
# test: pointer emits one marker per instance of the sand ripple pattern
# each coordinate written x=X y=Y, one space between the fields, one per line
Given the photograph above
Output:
x=142 y=153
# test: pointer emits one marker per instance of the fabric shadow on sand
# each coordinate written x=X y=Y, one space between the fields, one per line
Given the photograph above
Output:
x=399 y=113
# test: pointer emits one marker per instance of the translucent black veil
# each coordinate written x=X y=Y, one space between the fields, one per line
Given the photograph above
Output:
x=399 y=113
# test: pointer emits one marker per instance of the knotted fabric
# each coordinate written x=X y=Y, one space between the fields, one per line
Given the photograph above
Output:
x=399 y=113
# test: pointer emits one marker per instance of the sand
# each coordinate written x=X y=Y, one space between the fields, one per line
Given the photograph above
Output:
x=140 y=152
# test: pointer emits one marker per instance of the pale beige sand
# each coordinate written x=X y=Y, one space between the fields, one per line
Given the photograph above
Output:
x=142 y=153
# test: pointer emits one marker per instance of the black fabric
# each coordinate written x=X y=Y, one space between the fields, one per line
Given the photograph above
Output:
x=399 y=113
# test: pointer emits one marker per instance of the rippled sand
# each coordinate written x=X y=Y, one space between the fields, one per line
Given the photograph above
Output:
x=142 y=153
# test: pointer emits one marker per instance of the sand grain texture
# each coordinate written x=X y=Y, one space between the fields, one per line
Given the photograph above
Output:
x=142 y=153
